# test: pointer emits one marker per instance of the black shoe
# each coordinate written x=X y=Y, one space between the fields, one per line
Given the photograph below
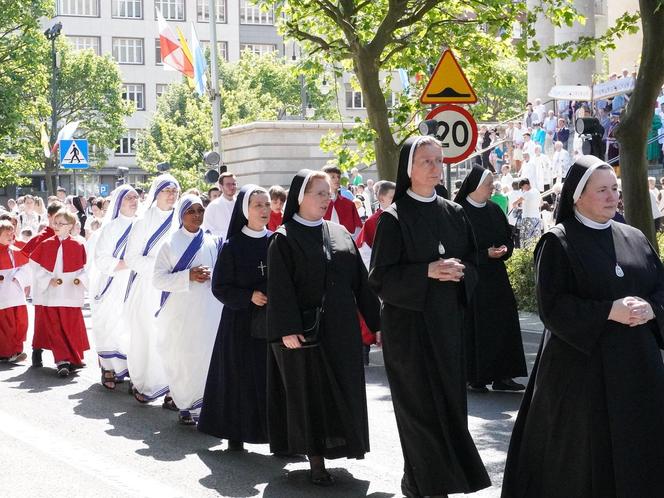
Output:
x=235 y=445
x=64 y=370
x=507 y=385
x=478 y=388
x=321 y=478
x=37 y=358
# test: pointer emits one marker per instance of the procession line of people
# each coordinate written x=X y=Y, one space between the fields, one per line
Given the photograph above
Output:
x=259 y=337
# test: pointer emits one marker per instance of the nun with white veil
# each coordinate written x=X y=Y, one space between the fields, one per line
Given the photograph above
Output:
x=189 y=313
x=110 y=284
x=146 y=237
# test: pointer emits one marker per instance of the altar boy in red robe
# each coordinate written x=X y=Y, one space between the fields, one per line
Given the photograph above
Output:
x=61 y=280
x=341 y=210
x=14 y=277
x=40 y=333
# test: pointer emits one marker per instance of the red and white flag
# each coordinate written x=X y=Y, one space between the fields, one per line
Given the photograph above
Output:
x=171 y=51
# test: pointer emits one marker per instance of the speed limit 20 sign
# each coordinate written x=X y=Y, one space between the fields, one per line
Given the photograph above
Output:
x=457 y=131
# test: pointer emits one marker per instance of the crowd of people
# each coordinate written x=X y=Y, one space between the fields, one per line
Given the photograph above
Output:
x=530 y=158
x=250 y=313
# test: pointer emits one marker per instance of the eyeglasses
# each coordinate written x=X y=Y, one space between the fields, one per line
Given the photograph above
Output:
x=322 y=195
x=58 y=224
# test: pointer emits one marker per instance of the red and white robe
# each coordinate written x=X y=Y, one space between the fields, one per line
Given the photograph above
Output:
x=14 y=277
x=64 y=260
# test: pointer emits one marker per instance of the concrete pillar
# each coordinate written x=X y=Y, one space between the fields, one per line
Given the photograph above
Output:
x=578 y=72
x=540 y=73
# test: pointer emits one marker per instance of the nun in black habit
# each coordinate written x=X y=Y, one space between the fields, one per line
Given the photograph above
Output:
x=234 y=403
x=316 y=391
x=493 y=334
x=591 y=424
x=423 y=267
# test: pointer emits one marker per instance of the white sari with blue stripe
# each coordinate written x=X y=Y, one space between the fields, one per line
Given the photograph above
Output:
x=188 y=320
x=111 y=336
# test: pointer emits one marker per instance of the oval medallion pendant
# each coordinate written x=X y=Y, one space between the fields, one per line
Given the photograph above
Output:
x=619 y=271
x=441 y=248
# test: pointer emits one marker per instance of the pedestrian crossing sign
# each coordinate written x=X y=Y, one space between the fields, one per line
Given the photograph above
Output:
x=74 y=154
x=448 y=83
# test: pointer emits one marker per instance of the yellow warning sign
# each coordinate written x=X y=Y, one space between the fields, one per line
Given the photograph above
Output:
x=448 y=84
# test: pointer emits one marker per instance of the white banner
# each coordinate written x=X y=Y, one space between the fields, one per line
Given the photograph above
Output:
x=570 y=92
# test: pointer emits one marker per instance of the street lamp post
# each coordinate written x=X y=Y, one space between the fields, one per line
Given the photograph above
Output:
x=214 y=80
x=52 y=34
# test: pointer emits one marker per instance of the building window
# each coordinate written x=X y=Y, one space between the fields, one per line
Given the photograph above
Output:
x=172 y=10
x=252 y=14
x=134 y=92
x=127 y=144
x=203 y=10
x=85 y=43
x=222 y=49
x=157 y=52
x=128 y=9
x=128 y=50
x=258 y=48
x=89 y=8
x=354 y=99
x=162 y=88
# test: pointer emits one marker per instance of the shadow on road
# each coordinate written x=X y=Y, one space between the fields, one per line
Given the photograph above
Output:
x=37 y=380
x=155 y=427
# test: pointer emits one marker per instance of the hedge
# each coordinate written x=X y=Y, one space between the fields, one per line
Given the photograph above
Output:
x=521 y=271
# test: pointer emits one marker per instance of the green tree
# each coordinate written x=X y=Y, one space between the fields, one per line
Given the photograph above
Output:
x=634 y=125
x=371 y=37
x=256 y=88
x=22 y=82
x=501 y=88
x=89 y=90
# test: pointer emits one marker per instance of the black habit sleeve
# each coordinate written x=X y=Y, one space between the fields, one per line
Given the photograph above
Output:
x=224 y=281
x=283 y=312
x=656 y=298
x=397 y=283
x=470 y=261
x=579 y=322
x=367 y=301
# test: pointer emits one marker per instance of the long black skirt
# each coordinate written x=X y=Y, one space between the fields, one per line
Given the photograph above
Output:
x=307 y=412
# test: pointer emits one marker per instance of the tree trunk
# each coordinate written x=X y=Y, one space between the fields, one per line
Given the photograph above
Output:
x=633 y=130
x=387 y=151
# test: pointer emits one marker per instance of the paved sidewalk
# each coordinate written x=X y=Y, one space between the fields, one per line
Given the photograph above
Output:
x=530 y=322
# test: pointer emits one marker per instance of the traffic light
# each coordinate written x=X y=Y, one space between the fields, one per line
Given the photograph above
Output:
x=591 y=132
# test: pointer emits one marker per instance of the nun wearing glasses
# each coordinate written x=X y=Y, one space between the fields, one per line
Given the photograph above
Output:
x=423 y=266
x=590 y=424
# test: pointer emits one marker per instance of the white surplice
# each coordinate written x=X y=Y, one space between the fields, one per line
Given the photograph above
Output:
x=145 y=366
x=109 y=327
x=218 y=216
x=188 y=321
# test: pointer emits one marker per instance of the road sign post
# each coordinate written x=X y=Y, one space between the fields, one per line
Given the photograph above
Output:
x=74 y=154
x=448 y=83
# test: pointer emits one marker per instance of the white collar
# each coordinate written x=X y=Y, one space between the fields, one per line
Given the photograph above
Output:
x=254 y=234
x=421 y=198
x=590 y=223
x=188 y=233
x=474 y=203
x=307 y=223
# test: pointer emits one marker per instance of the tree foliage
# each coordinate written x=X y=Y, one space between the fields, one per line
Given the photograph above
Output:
x=371 y=37
x=89 y=90
x=256 y=88
x=22 y=46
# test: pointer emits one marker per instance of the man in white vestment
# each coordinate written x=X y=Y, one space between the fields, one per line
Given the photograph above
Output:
x=189 y=315
x=218 y=213
x=147 y=236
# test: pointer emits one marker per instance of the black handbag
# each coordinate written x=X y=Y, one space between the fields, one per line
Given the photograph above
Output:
x=312 y=318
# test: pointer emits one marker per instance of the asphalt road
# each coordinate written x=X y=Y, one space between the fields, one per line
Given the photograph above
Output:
x=73 y=438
